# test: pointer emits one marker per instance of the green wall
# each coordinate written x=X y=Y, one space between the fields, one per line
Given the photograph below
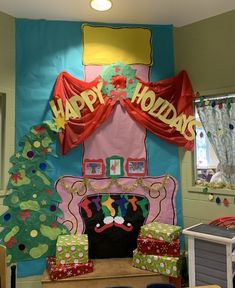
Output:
x=206 y=50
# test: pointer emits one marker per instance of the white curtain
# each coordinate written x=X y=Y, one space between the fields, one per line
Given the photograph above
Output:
x=218 y=120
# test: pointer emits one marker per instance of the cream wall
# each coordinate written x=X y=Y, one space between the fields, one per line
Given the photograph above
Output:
x=7 y=86
x=206 y=50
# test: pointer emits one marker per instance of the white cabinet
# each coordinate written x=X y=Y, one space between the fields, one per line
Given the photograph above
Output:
x=211 y=255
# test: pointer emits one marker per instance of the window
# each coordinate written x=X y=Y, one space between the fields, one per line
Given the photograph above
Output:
x=214 y=144
x=2 y=132
x=206 y=159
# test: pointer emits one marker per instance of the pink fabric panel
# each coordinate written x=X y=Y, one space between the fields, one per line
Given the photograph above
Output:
x=161 y=203
x=120 y=135
x=92 y=71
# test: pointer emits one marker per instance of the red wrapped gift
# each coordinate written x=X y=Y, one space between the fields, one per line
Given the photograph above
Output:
x=152 y=246
x=67 y=270
x=177 y=282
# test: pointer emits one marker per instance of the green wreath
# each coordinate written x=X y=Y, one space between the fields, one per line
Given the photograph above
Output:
x=119 y=79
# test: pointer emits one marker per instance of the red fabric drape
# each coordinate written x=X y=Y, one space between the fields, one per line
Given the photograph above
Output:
x=176 y=90
x=77 y=130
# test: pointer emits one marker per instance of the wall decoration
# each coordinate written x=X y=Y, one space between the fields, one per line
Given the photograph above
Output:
x=160 y=192
x=114 y=166
x=136 y=167
x=30 y=226
x=65 y=54
x=149 y=105
x=115 y=133
x=120 y=81
x=119 y=206
x=93 y=168
x=110 y=43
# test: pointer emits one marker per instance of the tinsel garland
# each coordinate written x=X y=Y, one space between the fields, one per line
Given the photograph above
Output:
x=212 y=185
x=86 y=183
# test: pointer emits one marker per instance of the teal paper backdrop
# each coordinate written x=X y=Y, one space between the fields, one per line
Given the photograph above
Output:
x=46 y=48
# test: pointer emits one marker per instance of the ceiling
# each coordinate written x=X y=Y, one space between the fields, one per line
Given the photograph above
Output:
x=176 y=12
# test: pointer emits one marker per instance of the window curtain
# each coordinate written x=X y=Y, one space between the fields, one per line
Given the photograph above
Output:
x=218 y=120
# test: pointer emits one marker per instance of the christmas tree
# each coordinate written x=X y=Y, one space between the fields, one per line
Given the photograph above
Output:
x=29 y=228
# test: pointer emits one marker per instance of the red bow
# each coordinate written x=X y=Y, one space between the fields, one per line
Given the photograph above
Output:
x=10 y=242
x=16 y=177
x=117 y=96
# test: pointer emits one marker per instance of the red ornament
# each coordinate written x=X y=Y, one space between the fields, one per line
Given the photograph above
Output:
x=117 y=69
x=48 y=191
x=39 y=129
x=44 y=150
x=53 y=225
x=105 y=83
x=24 y=214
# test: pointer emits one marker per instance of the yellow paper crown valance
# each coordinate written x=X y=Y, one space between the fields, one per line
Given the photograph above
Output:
x=107 y=45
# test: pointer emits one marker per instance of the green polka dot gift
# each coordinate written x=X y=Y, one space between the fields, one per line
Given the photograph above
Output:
x=72 y=249
x=164 y=265
x=161 y=231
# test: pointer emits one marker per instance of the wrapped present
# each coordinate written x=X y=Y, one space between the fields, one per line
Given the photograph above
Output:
x=176 y=281
x=161 y=231
x=165 y=265
x=68 y=270
x=152 y=246
x=72 y=249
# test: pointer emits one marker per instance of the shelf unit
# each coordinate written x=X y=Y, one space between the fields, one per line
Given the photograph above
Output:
x=211 y=255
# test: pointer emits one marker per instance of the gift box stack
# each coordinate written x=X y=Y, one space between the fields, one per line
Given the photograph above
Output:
x=71 y=257
x=158 y=249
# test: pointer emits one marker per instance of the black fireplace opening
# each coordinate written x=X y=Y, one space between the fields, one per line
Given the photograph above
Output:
x=112 y=223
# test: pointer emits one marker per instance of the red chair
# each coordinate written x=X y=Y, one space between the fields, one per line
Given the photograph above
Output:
x=226 y=222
